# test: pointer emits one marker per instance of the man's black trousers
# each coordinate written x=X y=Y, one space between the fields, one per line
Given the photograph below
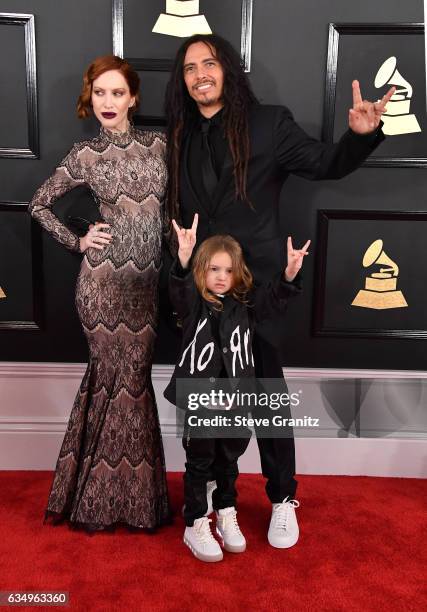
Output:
x=277 y=452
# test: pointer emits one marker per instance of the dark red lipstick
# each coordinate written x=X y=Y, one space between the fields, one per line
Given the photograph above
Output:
x=109 y=115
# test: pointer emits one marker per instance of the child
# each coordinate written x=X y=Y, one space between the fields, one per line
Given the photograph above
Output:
x=218 y=307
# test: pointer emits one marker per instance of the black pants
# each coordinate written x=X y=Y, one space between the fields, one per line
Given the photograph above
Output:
x=277 y=454
x=210 y=459
x=278 y=466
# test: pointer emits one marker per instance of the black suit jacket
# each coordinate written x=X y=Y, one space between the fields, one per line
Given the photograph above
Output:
x=278 y=147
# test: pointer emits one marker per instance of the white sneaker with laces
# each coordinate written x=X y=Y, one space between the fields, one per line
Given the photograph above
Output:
x=228 y=530
x=201 y=542
x=284 y=531
x=210 y=488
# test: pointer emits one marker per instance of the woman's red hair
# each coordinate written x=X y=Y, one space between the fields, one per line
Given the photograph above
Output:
x=99 y=66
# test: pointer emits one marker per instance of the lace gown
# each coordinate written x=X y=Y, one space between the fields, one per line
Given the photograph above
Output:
x=111 y=465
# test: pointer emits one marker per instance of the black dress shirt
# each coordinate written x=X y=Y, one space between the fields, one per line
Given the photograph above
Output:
x=218 y=145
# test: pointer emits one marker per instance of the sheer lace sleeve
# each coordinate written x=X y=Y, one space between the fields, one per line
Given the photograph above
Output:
x=157 y=142
x=67 y=176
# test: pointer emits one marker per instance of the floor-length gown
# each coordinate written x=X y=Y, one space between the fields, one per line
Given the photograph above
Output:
x=111 y=467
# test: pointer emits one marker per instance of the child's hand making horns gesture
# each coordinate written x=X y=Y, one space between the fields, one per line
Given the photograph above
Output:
x=295 y=258
x=186 y=240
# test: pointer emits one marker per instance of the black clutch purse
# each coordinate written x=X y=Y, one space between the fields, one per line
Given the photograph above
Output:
x=78 y=209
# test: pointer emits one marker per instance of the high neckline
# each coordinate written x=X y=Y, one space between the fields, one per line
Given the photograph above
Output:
x=119 y=138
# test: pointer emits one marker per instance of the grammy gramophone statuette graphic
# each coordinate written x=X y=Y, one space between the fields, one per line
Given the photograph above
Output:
x=397 y=118
x=182 y=18
x=380 y=290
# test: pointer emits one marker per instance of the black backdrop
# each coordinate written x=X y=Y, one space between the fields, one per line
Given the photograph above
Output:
x=289 y=49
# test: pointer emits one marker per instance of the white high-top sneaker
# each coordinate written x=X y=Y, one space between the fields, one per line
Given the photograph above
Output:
x=284 y=531
x=228 y=530
x=201 y=542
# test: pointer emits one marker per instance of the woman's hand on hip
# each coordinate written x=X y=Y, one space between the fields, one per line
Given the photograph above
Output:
x=96 y=238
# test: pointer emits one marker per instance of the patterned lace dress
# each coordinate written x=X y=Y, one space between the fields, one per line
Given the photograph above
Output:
x=111 y=467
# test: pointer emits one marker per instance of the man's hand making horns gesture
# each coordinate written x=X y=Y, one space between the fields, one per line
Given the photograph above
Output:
x=365 y=116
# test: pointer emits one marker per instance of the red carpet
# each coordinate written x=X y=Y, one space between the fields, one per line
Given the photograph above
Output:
x=362 y=547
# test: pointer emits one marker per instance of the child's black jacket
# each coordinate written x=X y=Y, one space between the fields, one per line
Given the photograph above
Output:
x=227 y=353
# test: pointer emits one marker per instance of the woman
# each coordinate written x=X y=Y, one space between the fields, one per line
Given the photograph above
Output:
x=111 y=467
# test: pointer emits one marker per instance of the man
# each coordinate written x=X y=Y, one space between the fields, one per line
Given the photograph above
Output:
x=228 y=158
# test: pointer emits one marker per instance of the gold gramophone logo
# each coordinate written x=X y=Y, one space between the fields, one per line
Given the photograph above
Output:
x=397 y=118
x=380 y=290
x=182 y=18
x=2 y=293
